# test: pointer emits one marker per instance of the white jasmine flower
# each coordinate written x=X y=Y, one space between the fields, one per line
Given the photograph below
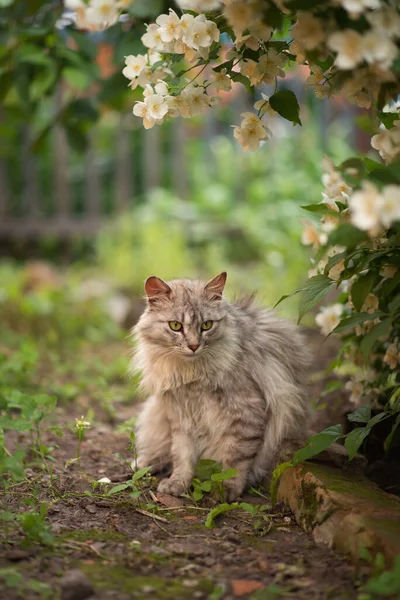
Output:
x=264 y=107
x=161 y=88
x=212 y=30
x=336 y=271
x=390 y=211
x=392 y=356
x=186 y=23
x=169 y=26
x=366 y=206
x=379 y=49
x=330 y=203
x=356 y=7
x=269 y=66
x=140 y=109
x=134 y=66
x=152 y=37
x=329 y=317
x=221 y=81
x=371 y=304
x=310 y=235
x=101 y=14
x=386 y=19
x=251 y=132
x=388 y=142
x=349 y=46
x=200 y=6
x=196 y=99
x=157 y=108
x=309 y=30
x=357 y=390
x=178 y=105
x=197 y=34
x=241 y=15
x=248 y=68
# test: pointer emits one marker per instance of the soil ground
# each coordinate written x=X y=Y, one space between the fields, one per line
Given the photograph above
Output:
x=158 y=547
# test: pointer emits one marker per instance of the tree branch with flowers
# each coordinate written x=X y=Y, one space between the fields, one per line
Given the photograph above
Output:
x=351 y=47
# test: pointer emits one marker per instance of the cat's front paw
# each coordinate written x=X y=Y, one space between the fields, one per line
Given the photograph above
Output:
x=233 y=489
x=171 y=486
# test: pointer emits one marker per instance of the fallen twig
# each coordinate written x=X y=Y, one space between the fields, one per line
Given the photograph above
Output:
x=147 y=513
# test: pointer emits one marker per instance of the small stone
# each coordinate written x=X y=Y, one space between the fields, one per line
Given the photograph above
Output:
x=190 y=582
x=90 y=508
x=17 y=555
x=147 y=589
x=75 y=586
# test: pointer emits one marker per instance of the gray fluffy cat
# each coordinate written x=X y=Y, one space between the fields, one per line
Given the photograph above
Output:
x=226 y=383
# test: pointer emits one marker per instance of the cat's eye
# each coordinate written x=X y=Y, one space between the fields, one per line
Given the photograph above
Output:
x=175 y=325
x=206 y=325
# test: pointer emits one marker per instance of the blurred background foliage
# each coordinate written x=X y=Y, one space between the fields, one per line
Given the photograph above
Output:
x=210 y=206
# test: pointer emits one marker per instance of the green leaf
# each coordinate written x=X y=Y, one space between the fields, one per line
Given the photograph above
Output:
x=206 y=486
x=355 y=319
x=318 y=285
x=371 y=164
x=29 y=53
x=386 y=174
x=285 y=103
x=317 y=443
x=354 y=439
x=224 y=475
x=77 y=78
x=241 y=79
x=118 y=488
x=361 y=288
x=206 y=467
x=140 y=473
x=317 y=208
x=42 y=83
x=379 y=417
x=219 y=510
x=334 y=260
x=347 y=235
x=389 y=439
x=353 y=163
x=311 y=297
x=372 y=336
x=387 y=118
x=276 y=475
x=361 y=415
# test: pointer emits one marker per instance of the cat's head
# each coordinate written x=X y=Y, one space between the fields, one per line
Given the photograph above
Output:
x=183 y=317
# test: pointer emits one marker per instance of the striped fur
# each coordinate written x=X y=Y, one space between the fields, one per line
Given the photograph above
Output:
x=239 y=399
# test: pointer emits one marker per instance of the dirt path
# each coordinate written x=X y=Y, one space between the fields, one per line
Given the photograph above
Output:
x=150 y=547
x=167 y=553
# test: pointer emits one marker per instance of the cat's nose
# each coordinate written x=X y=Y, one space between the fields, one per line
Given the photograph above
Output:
x=193 y=347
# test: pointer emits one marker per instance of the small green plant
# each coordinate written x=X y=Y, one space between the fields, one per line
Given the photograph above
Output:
x=133 y=484
x=21 y=586
x=210 y=480
x=382 y=583
x=81 y=425
x=261 y=521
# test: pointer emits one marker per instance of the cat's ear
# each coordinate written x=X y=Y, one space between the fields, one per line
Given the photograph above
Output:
x=215 y=286
x=156 y=288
